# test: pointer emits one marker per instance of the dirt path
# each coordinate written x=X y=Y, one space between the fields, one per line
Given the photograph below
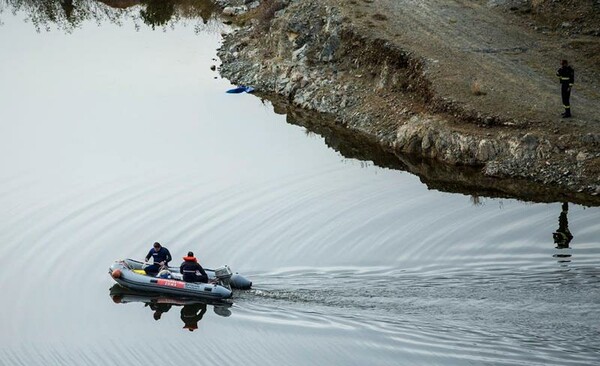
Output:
x=466 y=41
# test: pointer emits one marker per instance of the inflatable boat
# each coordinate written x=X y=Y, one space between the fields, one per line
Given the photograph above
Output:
x=130 y=274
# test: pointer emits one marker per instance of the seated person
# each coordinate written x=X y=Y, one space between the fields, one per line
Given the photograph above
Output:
x=191 y=270
x=161 y=257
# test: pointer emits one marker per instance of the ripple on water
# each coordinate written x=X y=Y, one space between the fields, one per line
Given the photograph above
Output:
x=484 y=317
x=431 y=294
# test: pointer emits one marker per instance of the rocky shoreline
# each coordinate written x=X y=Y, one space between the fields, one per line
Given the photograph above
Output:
x=307 y=52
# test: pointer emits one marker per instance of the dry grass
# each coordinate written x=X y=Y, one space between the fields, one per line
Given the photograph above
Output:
x=264 y=13
x=476 y=88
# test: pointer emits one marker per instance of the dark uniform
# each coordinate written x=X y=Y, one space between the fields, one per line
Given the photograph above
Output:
x=192 y=271
x=161 y=254
x=566 y=75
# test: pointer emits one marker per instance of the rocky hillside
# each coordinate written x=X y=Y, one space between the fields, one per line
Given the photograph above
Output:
x=421 y=79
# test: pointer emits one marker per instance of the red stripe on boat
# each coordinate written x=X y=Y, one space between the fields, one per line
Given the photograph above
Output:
x=171 y=283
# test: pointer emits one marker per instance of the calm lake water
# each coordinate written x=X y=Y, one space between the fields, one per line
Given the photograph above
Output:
x=114 y=135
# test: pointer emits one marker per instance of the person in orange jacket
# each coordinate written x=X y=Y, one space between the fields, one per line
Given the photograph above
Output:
x=191 y=270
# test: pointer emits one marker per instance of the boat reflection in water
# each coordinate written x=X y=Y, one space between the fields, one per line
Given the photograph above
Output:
x=192 y=310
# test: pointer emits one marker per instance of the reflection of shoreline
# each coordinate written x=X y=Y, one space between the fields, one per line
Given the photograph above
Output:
x=120 y=4
x=192 y=310
x=436 y=175
x=68 y=15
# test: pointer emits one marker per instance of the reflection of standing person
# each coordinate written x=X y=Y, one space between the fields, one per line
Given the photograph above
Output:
x=190 y=315
x=566 y=75
x=159 y=309
x=562 y=236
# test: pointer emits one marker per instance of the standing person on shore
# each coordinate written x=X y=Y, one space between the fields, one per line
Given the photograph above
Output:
x=161 y=257
x=567 y=79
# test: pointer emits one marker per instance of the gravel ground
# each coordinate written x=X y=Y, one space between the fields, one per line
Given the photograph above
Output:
x=465 y=43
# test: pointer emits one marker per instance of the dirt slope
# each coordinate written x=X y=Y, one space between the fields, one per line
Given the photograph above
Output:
x=465 y=43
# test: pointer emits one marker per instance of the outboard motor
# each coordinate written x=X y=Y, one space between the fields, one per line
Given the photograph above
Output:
x=223 y=275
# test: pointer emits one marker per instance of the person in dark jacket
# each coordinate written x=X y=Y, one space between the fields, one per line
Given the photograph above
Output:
x=566 y=75
x=191 y=270
x=161 y=257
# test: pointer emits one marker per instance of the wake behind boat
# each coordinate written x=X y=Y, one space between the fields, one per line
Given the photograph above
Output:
x=130 y=274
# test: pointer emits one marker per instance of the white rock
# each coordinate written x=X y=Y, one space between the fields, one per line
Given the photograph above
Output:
x=235 y=10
